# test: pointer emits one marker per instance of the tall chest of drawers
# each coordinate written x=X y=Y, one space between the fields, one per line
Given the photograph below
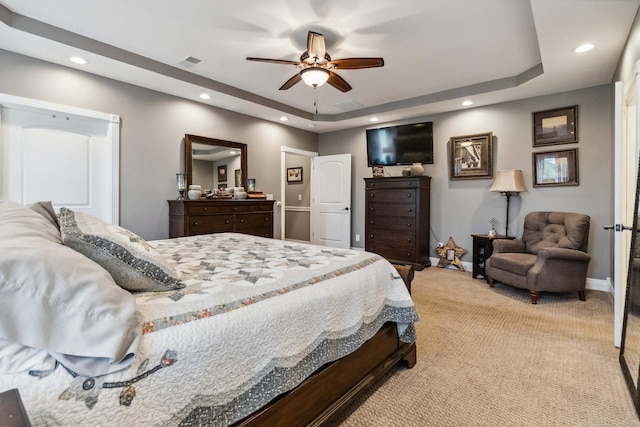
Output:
x=193 y=217
x=397 y=219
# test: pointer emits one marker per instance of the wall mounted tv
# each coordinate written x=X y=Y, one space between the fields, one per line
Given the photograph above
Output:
x=400 y=145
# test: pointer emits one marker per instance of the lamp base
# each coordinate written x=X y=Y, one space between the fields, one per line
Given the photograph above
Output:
x=181 y=196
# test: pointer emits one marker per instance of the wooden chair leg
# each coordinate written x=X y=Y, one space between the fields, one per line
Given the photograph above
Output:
x=534 y=297
x=582 y=296
x=491 y=281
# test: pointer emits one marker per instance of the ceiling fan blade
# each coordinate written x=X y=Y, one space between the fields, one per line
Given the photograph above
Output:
x=338 y=82
x=275 y=61
x=356 y=63
x=293 y=80
x=315 y=45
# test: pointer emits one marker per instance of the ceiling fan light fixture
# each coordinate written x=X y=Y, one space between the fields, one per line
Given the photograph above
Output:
x=314 y=76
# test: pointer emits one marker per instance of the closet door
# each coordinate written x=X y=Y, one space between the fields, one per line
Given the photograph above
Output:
x=67 y=158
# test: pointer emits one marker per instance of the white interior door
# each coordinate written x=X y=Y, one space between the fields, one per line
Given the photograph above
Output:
x=331 y=200
x=61 y=155
x=625 y=173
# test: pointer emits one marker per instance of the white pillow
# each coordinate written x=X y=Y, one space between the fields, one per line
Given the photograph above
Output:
x=56 y=299
x=132 y=262
x=19 y=358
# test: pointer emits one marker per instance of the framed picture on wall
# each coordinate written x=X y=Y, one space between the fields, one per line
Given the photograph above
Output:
x=294 y=174
x=555 y=168
x=222 y=173
x=558 y=126
x=471 y=156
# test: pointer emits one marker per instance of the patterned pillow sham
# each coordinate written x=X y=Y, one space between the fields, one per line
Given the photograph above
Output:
x=133 y=264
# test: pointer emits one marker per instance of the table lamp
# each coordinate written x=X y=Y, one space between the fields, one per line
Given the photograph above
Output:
x=508 y=183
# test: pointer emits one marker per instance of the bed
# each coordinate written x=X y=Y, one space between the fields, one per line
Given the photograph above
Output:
x=222 y=329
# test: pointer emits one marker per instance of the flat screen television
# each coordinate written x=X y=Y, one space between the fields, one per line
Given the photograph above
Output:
x=400 y=145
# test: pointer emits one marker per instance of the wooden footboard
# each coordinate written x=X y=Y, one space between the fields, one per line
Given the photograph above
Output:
x=326 y=393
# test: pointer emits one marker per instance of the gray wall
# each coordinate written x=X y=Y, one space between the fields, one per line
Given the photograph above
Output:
x=152 y=132
x=298 y=223
x=462 y=208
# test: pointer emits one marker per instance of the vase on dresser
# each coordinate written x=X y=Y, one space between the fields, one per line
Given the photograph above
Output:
x=417 y=169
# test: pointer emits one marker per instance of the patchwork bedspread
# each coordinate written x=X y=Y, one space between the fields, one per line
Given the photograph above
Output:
x=256 y=318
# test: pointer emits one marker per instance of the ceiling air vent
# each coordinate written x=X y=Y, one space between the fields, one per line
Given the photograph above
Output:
x=190 y=62
x=349 y=105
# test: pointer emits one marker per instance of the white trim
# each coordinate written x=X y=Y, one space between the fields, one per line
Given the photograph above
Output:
x=297 y=208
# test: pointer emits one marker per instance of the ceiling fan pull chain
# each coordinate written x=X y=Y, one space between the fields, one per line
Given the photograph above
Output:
x=315 y=98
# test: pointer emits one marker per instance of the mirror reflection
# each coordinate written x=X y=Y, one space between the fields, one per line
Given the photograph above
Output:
x=215 y=164
x=630 y=347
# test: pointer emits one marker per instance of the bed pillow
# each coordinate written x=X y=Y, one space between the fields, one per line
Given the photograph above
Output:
x=56 y=299
x=46 y=210
x=132 y=262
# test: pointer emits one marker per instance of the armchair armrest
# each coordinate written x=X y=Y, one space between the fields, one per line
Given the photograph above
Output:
x=564 y=254
x=504 y=245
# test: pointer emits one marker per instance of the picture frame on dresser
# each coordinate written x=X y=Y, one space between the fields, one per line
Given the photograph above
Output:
x=471 y=156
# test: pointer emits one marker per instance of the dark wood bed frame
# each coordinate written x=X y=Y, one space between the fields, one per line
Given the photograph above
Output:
x=331 y=389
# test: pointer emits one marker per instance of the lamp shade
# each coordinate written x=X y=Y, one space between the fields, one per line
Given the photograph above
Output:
x=509 y=181
x=314 y=76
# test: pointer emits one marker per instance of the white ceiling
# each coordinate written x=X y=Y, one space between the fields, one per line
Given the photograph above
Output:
x=437 y=52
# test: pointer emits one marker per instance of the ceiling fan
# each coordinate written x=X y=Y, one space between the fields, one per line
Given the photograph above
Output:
x=316 y=65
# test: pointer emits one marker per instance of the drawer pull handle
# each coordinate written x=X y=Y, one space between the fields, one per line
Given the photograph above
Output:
x=241 y=221
x=204 y=209
x=195 y=224
x=371 y=222
x=408 y=194
x=266 y=218
x=371 y=209
x=235 y=208
x=371 y=236
x=409 y=210
x=227 y=222
x=409 y=240
x=408 y=254
x=409 y=225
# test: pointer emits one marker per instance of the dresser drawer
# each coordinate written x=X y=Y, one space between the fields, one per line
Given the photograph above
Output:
x=205 y=224
x=391 y=223
x=256 y=220
x=382 y=238
x=395 y=196
x=233 y=207
x=396 y=183
x=403 y=210
x=394 y=254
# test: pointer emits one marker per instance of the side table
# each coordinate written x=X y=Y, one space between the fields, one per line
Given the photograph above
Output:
x=482 y=249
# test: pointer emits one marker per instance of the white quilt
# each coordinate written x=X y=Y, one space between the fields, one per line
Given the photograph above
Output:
x=256 y=318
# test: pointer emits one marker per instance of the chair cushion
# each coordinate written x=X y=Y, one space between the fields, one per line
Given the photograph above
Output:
x=518 y=263
x=555 y=229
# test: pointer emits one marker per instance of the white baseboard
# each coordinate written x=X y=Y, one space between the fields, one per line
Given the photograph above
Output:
x=603 y=285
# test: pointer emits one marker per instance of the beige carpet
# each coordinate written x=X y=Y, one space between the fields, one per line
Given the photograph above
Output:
x=488 y=357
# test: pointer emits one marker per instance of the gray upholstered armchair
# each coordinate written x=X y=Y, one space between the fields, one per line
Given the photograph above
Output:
x=552 y=255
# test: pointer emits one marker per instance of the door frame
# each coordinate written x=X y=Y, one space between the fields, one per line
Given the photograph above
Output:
x=283 y=180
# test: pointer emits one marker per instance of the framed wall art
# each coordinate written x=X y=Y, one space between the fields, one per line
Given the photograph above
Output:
x=377 y=171
x=222 y=173
x=471 y=156
x=294 y=174
x=555 y=168
x=558 y=126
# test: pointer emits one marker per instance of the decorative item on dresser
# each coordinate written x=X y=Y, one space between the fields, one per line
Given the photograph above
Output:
x=193 y=217
x=397 y=219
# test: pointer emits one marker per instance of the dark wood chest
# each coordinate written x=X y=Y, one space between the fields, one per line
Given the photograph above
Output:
x=397 y=219
x=193 y=217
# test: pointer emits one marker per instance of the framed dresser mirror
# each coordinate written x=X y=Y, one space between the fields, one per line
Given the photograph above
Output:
x=630 y=346
x=215 y=163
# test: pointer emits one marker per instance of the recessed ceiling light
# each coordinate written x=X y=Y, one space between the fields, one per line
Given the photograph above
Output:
x=283 y=119
x=467 y=102
x=373 y=119
x=584 y=48
x=205 y=96
x=78 y=60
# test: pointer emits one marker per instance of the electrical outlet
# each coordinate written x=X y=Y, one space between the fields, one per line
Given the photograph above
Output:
x=299 y=196
x=357 y=237
x=440 y=244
